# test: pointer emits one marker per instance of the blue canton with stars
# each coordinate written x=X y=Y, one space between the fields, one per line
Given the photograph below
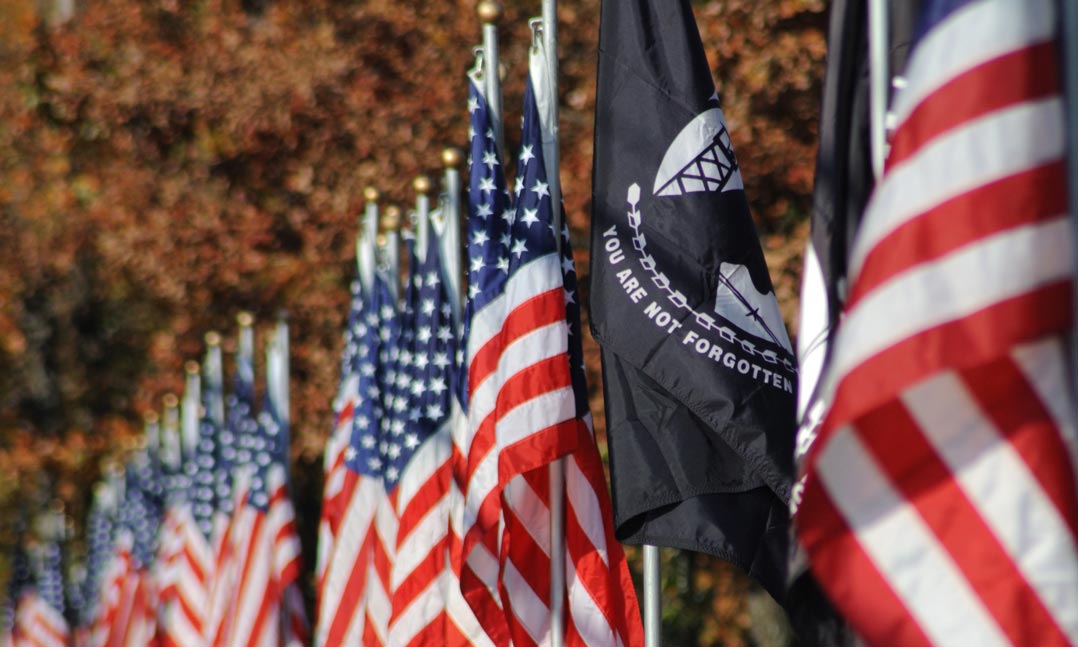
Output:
x=242 y=429
x=351 y=345
x=20 y=581
x=269 y=446
x=140 y=512
x=427 y=396
x=399 y=376
x=533 y=233
x=99 y=532
x=50 y=577
x=490 y=216
x=375 y=332
x=204 y=471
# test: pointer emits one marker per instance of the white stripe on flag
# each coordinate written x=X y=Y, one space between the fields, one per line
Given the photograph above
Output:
x=957 y=285
x=1007 y=496
x=998 y=28
x=964 y=159
x=905 y=551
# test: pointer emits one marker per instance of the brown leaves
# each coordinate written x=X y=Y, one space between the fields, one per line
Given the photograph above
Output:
x=164 y=165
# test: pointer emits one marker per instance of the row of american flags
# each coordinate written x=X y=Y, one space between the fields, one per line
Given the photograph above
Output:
x=436 y=515
x=192 y=539
x=932 y=481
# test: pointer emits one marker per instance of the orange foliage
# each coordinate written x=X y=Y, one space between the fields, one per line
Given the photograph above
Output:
x=165 y=164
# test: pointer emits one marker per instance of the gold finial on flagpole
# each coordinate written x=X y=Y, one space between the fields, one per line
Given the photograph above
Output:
x=391 y=218
x=452 y=157
x=490 y=11
x=422 y=184
x=371 y=194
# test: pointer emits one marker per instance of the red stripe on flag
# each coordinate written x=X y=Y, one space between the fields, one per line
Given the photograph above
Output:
x=957 y=344
x=1036 y=195
x=927 y=483
x=1006 y=398
x=852 y=578
x=1031 y=73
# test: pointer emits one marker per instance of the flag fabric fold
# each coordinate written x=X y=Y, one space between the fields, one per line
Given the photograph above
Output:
x=699 y=372
x=947 y=374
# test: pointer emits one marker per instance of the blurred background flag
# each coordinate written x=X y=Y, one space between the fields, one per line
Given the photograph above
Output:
x=36 y=596
x=699 y=375
x=344 y=406
x=947 y=374
x=342 y=615
x=263 y=536
x=184 y=551
x=235 y=452
x=421 y=449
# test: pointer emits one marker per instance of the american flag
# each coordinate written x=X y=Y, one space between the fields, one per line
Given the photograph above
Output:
x=264 y=540
x=130 y=611
x=938 y=504
x=417 y=461
x=99 y=526
x=600 y=603
x=333 y=462
x=36 y=591
x=474 y=548
x=347 y=587
x=185 y=551
x=383 y=532
x=19 y=581
x=233 y=460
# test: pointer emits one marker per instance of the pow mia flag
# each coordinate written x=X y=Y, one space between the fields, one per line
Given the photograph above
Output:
x=700 y=378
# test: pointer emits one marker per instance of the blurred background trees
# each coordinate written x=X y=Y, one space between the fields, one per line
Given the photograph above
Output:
x=166 y=164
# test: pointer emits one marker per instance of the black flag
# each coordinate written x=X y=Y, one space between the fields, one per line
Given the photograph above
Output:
x=700 y=377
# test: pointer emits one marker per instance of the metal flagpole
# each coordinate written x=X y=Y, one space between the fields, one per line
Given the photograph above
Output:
x=557 y=468
x=365 y=240
x=450 y=238
x=171 y=454
x=490 y=13
x=215 y=377
x=284 y=404
x=192 y=402
x=879 y=80
x=152 y=433
x=652 y=601
x=422 y=186
x=1070 y=88
x=389 y=245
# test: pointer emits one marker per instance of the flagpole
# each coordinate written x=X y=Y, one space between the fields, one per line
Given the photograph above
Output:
x=490 y=13
x=215 y=372
x=389 y=244
x=192 y=400
x=284 y=404
x=557 y=468
x=451 y=158
x=172 y=453
x=653 y=621
x=422 y=186
x=365 y=240
x=879 y=80
x=152 y=432
x=1070 y=87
